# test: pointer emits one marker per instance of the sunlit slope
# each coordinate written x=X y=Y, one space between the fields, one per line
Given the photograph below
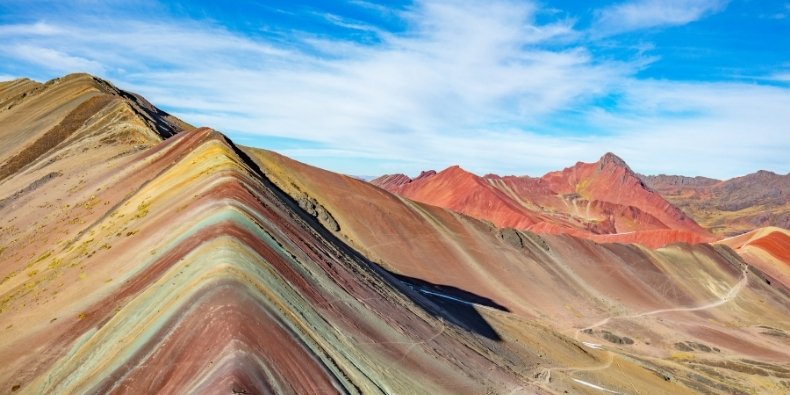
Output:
x=660 y=300
x=603 y=201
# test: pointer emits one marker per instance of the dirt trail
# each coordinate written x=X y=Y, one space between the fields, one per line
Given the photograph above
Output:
x=730 y=295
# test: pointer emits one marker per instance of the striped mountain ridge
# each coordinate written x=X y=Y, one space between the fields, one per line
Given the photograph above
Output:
x=137 y=261
x=232 y=256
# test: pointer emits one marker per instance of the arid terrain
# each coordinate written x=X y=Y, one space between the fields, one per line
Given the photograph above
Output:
x=729 y=207
x=139 y=254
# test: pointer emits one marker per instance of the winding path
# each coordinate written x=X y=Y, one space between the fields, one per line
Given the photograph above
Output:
x=730 y=295
x=545 y=375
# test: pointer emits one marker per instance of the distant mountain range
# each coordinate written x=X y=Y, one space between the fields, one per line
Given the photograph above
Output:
x=607 y=201
x=602 y=201
x=729 y=207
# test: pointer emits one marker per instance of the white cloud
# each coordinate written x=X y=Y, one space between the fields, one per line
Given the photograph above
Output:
x=641 y=14
x=349 y=24
x=460 y=67
x=714 y=129
x=480 y=84
x=53 y=59
x=781 y=76
x=34 y=29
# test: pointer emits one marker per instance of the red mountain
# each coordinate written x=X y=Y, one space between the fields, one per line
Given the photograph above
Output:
x=604 y=201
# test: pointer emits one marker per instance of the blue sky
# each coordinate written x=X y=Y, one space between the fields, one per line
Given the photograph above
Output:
x=695 y=87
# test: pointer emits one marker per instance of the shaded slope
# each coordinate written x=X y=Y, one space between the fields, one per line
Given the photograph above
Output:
x=586 y=200
x=732 y=206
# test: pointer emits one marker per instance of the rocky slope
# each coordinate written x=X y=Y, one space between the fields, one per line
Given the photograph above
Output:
x=135 y=261
x=603 y=201
x=732 y=206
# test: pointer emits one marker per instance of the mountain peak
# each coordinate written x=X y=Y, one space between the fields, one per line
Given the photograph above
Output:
x=76 y=76
x=456 y=172
x=455 y=169
x=765 y=173
x=83 y=80
x=610 y=158
x=425 y=174
x=391 y=180
x=16 y=80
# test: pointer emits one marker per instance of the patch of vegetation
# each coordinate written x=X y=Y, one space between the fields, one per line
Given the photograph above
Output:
x=690 y=346
x=91 y=202
x=27 y=287
x=142 y=209
x=683 y=356
x=43 y=256
x=8 y=277
x=82 y=249
x=612 y=338
x=774 y=332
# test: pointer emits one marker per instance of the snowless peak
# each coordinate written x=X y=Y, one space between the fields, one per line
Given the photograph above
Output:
x=610 y=158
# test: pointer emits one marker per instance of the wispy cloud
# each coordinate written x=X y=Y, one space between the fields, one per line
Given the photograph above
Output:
x=717 y=129
x=53 y=59
x=34 y=29
x=780 y=76
x=641 y=14
x=479 y=83
x=350 y=24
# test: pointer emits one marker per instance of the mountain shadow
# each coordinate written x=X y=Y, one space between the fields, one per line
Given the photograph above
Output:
x=450 y=303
